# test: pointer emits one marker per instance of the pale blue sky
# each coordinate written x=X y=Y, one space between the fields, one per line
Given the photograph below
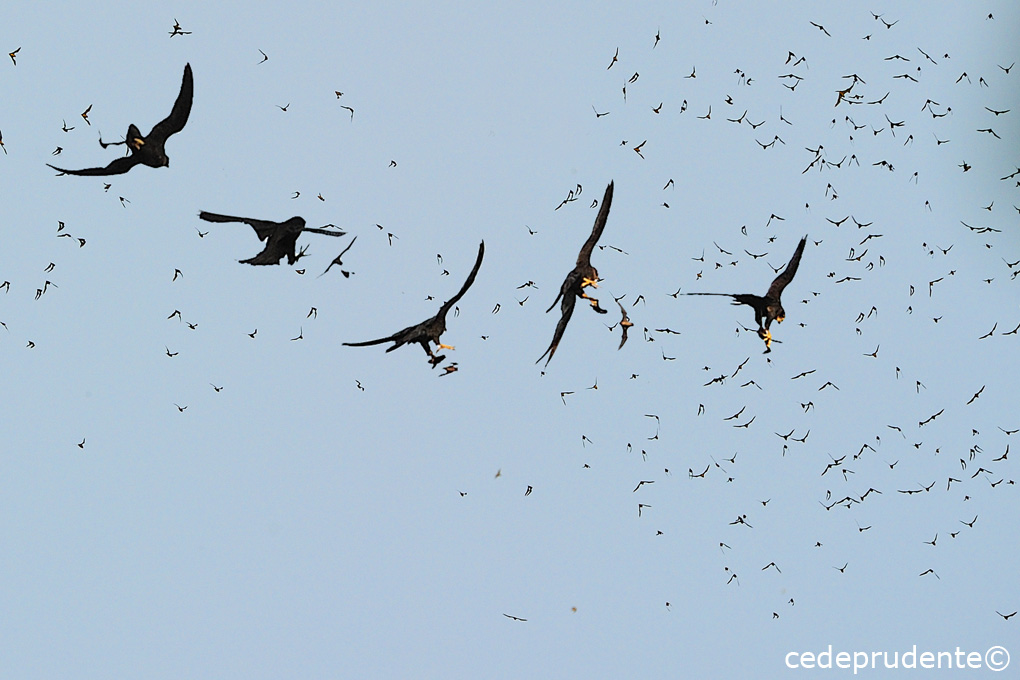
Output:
x=296 y=525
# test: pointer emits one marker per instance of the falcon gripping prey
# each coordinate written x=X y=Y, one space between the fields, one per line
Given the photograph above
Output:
x=429 y=330
x=148 y=150
x=579 y=278
x=768 y=308
x=280 y=237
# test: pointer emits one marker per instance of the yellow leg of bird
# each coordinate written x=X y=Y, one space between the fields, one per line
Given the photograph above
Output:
x=585 y=282
x=442 y=346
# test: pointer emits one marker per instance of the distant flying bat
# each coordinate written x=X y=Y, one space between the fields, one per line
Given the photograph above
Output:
x=820 y=28
x=336 y=260
x=430 y=329
x=625 y=323
x=579 y=278
x=148 y=150
x=177 y=30
x=768 y=308
x=280 y=237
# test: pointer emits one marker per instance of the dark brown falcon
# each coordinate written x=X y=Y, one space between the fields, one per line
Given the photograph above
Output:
x=149 y=150
x=280 y=237
x=768 y=308
x=429 y=330
x=579 y=278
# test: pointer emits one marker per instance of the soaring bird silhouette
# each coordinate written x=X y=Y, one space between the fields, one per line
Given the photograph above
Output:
x=768 y=308
x=430 y=329
x=280 y=237
x=579 y=278
x=148 y=150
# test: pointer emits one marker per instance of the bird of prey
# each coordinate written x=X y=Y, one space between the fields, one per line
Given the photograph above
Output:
x=148 y=150
x=430 y=329
x=579 y=278
x=768 y=308
x=280 y=237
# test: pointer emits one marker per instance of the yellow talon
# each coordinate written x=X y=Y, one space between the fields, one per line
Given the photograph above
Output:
x=585 y=282
x=442 y=346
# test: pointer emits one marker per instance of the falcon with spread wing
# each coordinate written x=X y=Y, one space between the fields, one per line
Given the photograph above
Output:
x=768 y=308
x=280 y=237
x=580 y=277
x=150 y=149
x=429 y=330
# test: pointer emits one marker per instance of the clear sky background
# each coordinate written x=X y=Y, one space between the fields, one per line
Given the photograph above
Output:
x=338 y=511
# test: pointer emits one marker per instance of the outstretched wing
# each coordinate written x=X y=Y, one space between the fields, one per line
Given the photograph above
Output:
x=780 y=282
x=402 y=337
x=366 y=343
x=584 y=257
x=326 y=232
x=264 y=228
x=566 y=310
x=116 y=167
x=179 y=114
x=467 y=284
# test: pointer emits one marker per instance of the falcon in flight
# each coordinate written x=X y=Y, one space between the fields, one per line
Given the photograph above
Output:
x=280 y=237
x=148 y=150
x=768 y=308
x=579 y=278
x=431 y=329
